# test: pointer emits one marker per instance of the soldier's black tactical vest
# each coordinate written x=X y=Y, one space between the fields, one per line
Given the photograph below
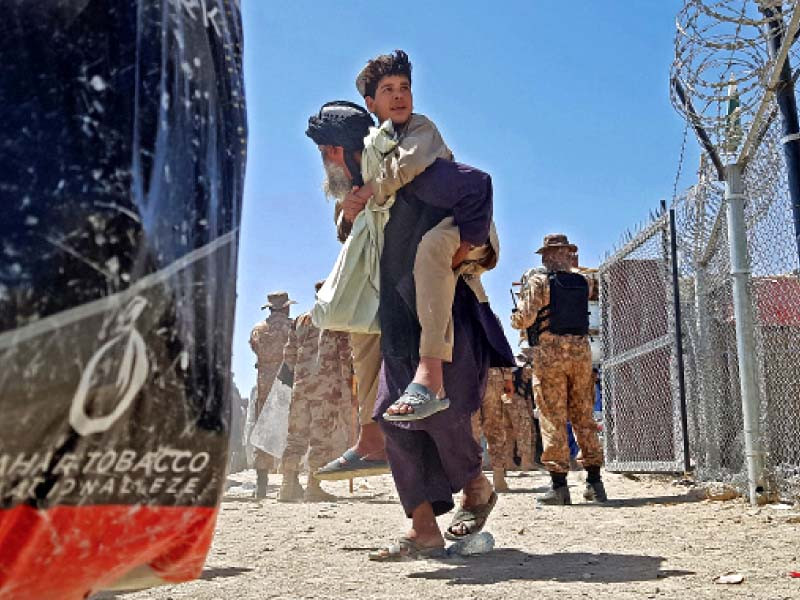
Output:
x=568 y=311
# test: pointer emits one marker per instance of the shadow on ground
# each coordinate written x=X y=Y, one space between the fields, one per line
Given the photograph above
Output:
x=532 y=490
x=638 y=502
x=510 y=564
x=208 y=574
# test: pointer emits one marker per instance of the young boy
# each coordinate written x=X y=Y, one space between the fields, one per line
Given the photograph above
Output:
x=385 y=84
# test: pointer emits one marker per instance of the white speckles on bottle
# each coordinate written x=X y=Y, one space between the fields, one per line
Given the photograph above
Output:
x=30 y=221
x=112 y=264
x=97 y=83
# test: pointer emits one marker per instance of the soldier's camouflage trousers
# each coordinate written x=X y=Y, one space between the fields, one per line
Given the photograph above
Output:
x=522 y=424
x=504 y=425
x=314 y=416
x=563 y=367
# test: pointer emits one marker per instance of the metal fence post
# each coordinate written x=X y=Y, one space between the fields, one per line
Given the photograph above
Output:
x=676 y=299
x=745 y=332
x=710 y=412
x=787 y=104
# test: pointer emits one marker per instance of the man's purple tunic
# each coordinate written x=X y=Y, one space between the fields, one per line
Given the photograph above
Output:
x=434 y=458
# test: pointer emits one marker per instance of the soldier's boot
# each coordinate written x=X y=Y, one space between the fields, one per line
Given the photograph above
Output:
x=262 y=480
x=315 y=493
x=291 y=490
x=499 y=480
x=595 y=490
x=559 y=493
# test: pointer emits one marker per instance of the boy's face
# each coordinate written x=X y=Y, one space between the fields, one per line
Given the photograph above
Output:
x=393 y=99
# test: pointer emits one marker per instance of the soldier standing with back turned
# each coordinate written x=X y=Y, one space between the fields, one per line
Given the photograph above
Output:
x=554 y=309
x=267 y=341
x=322 y=362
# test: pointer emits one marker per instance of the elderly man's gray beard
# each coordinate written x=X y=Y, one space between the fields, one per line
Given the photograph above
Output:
x=336 y=184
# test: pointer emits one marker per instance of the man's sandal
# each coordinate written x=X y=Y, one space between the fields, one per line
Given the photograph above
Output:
x=422 y=400
x=473 y=519
x=350 y=465
x=407 y=549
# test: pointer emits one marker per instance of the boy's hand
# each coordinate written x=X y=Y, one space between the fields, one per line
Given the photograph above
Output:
x=353 y=204
x=461 y=254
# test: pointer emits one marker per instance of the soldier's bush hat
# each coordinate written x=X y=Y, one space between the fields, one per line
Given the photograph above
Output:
x=277 y=300
x=556 y=240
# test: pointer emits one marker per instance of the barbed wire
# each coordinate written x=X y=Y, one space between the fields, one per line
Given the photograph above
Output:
x=723 y=62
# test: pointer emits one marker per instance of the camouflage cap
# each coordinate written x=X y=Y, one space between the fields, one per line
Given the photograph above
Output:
x=277 y=300
x=556 y=240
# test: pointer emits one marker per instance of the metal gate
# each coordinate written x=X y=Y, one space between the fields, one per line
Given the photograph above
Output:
x=640 y=371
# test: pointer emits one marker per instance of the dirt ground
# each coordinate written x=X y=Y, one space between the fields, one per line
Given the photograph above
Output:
x=655 y=539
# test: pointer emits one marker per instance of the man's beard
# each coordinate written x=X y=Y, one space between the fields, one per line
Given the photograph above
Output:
x=336 y=184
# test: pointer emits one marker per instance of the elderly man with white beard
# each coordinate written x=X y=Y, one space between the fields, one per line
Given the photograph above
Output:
x=351 y=124
x=435 y=457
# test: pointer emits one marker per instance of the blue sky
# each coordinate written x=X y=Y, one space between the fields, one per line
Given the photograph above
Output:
x=565 y=104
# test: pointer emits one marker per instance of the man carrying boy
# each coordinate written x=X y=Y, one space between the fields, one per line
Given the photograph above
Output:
x=458 y=239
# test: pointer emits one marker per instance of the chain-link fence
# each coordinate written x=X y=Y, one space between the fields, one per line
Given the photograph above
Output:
x=639 y=322
x=642 y=409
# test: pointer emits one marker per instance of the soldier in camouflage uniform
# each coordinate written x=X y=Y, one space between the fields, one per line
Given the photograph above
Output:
x=267 y=341
x=562 y=364
x=521 y=411
x=494 y=419
x=322 y=363
x=505 y=418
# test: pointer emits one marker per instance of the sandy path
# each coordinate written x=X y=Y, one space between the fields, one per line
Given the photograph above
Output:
x=656 y=540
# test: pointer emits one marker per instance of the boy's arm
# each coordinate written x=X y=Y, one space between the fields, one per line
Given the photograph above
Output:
x=418 y=148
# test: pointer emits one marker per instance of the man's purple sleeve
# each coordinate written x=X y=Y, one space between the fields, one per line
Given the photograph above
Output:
x=465 y=190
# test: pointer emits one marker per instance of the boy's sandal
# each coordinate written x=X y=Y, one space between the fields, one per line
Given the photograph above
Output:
x=422 y=400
